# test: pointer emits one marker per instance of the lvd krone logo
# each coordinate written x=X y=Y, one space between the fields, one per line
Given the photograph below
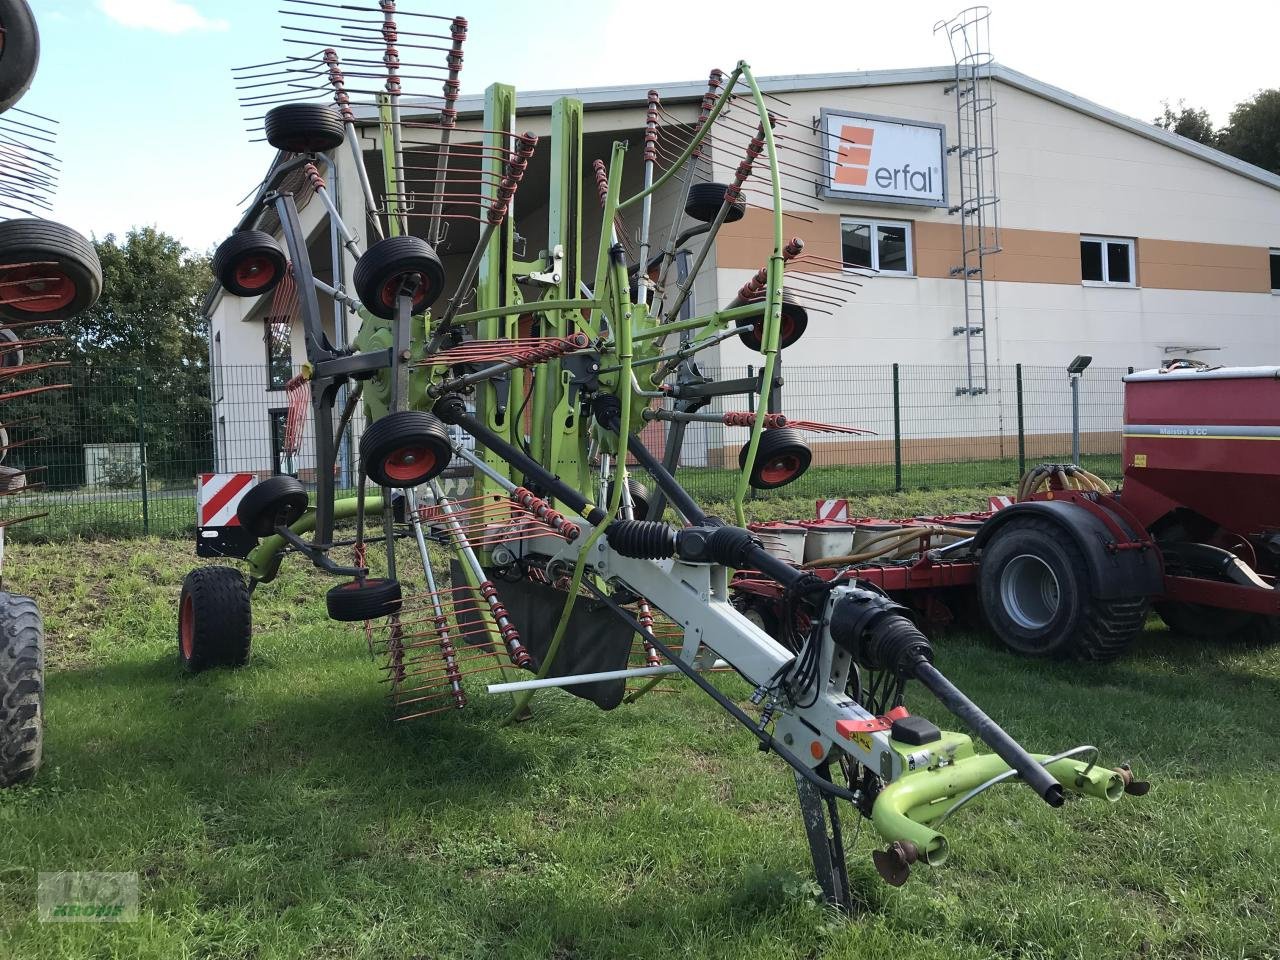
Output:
x=853 y=165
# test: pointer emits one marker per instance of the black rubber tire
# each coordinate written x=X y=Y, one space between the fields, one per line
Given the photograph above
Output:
x=305 y=128
x=215 y=619
x=382 y=269
x=71 y=286
x=640 y=498
x=21 y=689
x=1074 y=622
x=405 y=449
x=249 y=263
x=10 y=357
x=19 y=51
x=782 y=458
x=275 y=501
x=356 y=602
x=1216 y=623
x=706 y=199
x=795 y=321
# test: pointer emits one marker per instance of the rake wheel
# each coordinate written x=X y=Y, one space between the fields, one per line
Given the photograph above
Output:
x=249 y=263
x=782 y=457
x=706 y=199
x=276 y=501
x=215 y=619
x=359 y=600
x=795 y=321
x=63 y=277
x=19 y=51
x=385 y=267
x=21 y=689
x=405 y=449
x=304 y=128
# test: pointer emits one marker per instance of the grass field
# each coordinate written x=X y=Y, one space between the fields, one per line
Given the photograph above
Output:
x=275 y=812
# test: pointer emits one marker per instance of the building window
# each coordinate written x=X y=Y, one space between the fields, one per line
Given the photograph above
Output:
x=883 y=245
x=278 y=419
x=279 y=353
x=1107 y=261
x=1275 y=271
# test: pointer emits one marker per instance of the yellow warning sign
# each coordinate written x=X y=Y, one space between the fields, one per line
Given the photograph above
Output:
x=1139 y=459
x=861 y=738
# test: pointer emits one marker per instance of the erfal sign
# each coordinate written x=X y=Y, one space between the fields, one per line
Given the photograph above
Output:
x=884 y=159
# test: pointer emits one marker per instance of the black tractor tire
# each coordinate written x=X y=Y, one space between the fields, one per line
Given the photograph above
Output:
x=215 y=619
x=357 y=601
x=706 y=199
x=19 y=51
x=795 y=321
x=640 y=498
x=381 y=272
x=782 y=458
x=305 y=128
x=276 y=501
x=249 y=263
x=1038 y=598
x=10 y=356
x=405 y=449
x=1216 y=623
x=21 y=689
x=70 y=283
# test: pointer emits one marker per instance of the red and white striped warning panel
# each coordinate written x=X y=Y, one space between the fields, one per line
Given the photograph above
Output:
x=999 y=503
x=833 y=510
x=218 y=495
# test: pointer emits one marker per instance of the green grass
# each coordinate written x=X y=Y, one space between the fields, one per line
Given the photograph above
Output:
x=276 y=812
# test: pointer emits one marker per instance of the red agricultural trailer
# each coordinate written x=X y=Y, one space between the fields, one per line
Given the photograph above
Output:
x=1072 y=568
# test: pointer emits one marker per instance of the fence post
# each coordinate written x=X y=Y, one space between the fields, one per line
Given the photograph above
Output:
x=142 y=457
x=897 y=432
x=1022 y=436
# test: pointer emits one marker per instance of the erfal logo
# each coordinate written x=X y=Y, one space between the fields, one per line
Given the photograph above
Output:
x=853 y=165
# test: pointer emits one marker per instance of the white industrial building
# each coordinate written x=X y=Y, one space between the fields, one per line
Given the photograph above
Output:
x=1115 y=239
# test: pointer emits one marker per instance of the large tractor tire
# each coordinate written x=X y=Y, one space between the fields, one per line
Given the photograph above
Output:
x=1038 y=598
x=21 y=689
x=50 y=271
x=215 y=619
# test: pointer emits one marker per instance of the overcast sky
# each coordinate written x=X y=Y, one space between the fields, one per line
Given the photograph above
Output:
x=151 y=134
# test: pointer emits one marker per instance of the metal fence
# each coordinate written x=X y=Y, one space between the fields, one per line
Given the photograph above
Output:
x=118 y=452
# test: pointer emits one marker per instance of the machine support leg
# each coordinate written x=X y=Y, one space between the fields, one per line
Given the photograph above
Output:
x=822 y=827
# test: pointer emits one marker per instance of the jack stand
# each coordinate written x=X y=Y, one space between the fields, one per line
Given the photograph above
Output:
x=826 y=844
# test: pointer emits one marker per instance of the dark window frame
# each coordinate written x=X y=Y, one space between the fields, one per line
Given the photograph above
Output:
x=277 y=423
x=1275 y=270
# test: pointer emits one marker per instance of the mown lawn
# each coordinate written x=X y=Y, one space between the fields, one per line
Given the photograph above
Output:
x=275 y=812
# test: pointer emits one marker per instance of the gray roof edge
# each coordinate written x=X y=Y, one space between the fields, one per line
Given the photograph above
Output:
x=600 y=98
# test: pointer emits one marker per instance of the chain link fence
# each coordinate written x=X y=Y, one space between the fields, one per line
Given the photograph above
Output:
x=117 y=453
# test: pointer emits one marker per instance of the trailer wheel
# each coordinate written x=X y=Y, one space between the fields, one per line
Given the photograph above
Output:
x=386 y=265
x=249 y=263
x=405 y=449
x=706 y=199
x=19 y=51
x=1215 y=623
x=1035 y=590
x=215 y=619
x=304 y=128
x=276 y=501
x=370 y=599
x=21 y=689
x=781 y=458
x=65 y=277
x=795 y=321
x=640 y=499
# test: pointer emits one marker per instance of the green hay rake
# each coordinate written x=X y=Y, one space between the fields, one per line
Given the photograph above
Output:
x=563 y=570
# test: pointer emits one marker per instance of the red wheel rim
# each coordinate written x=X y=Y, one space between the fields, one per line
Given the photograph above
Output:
x=391 y=289
x=36 y=289
x=254 y=273
x=187 y=628
x=409 y=463
x=781 y=468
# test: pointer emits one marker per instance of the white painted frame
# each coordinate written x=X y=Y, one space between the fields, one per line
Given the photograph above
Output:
x=875 y=223
x=1130 y=242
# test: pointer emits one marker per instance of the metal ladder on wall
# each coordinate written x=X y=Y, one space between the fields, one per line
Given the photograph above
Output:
x=975 y=149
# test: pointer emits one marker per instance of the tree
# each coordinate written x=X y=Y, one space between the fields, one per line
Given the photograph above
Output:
x=1253 y=131
x=1194 y=124
x=142 y=348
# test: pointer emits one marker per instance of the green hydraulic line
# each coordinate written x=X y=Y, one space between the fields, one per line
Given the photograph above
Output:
x=918 y=796
x=773 y=297
x=621 y=309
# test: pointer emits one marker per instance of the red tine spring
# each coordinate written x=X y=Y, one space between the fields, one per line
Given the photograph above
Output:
x=714 y=82
x=458 y=31
x=651 y=129
x=544 y=512
x=516 y=166
x=754 y=149
x=753 y=287
x=339 y=83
